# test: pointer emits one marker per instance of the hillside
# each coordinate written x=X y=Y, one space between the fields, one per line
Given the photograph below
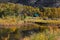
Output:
x=20 y=21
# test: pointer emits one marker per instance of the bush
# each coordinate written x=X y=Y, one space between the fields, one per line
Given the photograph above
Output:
x=10 y=9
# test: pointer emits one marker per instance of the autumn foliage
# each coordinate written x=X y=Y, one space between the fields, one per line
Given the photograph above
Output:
x=14 y=14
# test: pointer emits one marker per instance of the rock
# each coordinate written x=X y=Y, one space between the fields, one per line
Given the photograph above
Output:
x=44 y=3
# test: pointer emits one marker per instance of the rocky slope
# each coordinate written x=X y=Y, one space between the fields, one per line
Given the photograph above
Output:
x=45 y=3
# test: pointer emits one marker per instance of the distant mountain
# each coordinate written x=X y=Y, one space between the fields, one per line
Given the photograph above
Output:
x=44 y=3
